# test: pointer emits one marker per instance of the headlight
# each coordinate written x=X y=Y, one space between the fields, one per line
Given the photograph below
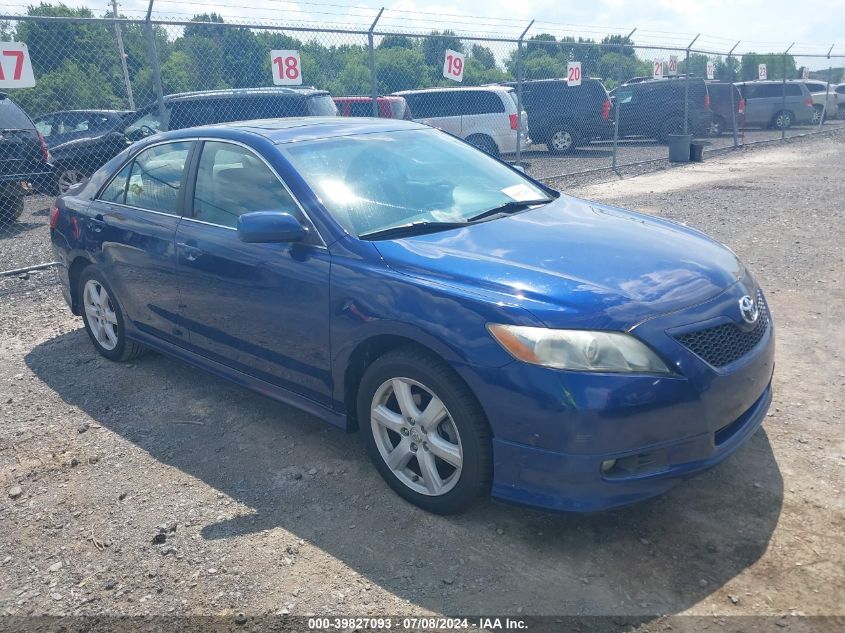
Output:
x=578 y=350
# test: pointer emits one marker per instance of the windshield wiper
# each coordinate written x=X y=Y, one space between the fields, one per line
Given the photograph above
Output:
x=413 y=228
x=509 y=207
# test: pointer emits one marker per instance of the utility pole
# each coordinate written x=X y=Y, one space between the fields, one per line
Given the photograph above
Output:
x=119 y=36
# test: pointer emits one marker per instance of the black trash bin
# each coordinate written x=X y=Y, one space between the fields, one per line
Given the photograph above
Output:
x=679 y=147
x=696 y=152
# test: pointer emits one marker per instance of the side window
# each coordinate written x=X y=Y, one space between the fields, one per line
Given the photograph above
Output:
x=232 y=181
x=422 y=105
x=624 y=96
x=143 y=126
x=793 y=90
x=156 y=177
x=479 y=102
x=116 y=189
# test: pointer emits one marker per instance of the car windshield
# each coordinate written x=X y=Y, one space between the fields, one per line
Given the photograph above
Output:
x=371 y=182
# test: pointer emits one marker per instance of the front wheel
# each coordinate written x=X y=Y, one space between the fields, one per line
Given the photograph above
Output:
x=562 y=140
x=782 y=120
x=484 y=143
x=103 y=318
x=425 y=432
x=818 y=114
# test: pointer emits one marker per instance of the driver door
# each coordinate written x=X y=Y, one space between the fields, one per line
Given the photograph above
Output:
x=262 y=309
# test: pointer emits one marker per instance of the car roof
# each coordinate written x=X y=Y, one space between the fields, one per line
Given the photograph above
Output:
x=495 y=88
x=120 y=112
x=359 y=98
x=306 y=91
x=295 y=129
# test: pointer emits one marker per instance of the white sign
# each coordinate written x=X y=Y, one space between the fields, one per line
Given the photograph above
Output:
x=287 y=68
x=761 y=72
x=15 y=66
x=805 y=73
x=658 y=69
x=573 y=74
x=673 y=65
x=711 y=70
x=453 y=65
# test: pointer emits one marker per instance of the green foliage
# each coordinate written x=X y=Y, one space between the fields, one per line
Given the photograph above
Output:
x=396 y=41
x=774 y=66
x=68 y=86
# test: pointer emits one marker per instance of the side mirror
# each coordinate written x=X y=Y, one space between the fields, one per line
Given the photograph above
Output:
x=269 y=226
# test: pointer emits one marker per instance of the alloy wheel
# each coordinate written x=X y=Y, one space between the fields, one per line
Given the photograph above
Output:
x=416 y=436
x=68 y=178
x=100 y=313
x=562 y=140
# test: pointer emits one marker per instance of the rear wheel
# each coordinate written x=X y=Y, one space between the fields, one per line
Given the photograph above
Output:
x=425 y=432
x=103 y=318
x=484 y=143
x=782 y=120
x=818 y=114
x=718 y=127
x=11 y=208
x=562 y=140
x=67 y=178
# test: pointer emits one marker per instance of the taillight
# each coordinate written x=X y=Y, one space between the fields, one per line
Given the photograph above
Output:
x=54 y=216
x=706 y=102
x=808 y=102
x=741 y=106
x=605 y=110
x=514 y=121
x=45 y=151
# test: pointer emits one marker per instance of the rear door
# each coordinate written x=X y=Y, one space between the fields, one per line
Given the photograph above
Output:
x=132 y=224
x=20 y=147
x=437 y=109
x=483 y=112
x=262 y=309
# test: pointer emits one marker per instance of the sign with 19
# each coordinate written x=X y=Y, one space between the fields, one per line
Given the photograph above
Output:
x=453 y=65
x=287 y=68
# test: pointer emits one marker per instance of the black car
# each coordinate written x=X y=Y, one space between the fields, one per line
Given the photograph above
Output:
x=655 y=108
x=24 y=159
x=81 y=141
x=189 y=109
x=563 y=116
x=721 y=102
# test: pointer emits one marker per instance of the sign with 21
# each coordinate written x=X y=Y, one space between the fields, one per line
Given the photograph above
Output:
x=15 y=66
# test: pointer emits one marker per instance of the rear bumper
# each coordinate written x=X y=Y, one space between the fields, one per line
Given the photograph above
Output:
x=575 y=483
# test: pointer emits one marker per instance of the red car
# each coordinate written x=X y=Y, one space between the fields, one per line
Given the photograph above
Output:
x=388 y=107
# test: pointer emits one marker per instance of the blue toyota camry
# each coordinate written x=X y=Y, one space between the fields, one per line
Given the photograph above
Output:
x=485 y=333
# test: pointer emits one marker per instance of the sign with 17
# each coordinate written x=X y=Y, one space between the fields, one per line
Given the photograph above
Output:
x=15 y=66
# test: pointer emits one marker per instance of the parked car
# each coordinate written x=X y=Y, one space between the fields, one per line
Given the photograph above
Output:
x=24 y=159
x=564 y=117
x=485 y=116
x=655 y=108
x=767 y=107
x=390 y=107
x=721 y=102
x=81 y=141
x=484 y=332
x=825 y=101
x=840 y=99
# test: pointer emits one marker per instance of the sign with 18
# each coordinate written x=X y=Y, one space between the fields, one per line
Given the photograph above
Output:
x=287 y=68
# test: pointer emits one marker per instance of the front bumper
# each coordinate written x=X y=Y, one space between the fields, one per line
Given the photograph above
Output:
x=554 y=430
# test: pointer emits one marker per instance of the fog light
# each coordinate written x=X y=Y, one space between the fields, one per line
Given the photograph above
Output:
x=607 y=465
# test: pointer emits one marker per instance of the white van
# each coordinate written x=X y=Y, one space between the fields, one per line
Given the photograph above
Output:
x=485 y=116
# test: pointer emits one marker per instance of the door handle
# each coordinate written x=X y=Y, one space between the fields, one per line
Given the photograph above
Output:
x=190 y=251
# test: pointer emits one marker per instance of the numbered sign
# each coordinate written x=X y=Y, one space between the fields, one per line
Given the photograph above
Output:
x=287 y=68
x=805 y=73
x=761 y=72
x=573 y=74
x=658 y=69
x=711 y=70
x=453 y=65
x=15 y=66
x=673 y=65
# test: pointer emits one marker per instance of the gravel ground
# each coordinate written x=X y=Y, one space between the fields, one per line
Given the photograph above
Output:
x=154 y=488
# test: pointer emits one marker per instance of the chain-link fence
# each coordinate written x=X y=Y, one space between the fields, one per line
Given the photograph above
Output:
x=556 y=105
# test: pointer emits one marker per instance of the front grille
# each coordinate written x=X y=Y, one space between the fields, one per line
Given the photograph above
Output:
x=727 y=343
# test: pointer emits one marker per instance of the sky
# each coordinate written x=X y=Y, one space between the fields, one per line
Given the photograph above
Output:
x=759 y=25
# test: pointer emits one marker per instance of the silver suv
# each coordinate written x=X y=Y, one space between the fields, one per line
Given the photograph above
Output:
x=765 y=105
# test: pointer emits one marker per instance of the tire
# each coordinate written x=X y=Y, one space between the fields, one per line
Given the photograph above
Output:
x=818 y=114
x=562 y=140
x=104 y=320
x=66 y=177
x=782 y=120
x=11 y=208
x=484 y=143
x=420 y=473
x=718 y=127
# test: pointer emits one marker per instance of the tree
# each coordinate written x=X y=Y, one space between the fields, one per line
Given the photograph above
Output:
x=434 y=47
x=396 y=41
x=774 y=66
x=483 y=55
x=400 y=69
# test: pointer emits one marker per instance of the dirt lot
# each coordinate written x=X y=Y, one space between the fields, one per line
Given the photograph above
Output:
x=264 y=510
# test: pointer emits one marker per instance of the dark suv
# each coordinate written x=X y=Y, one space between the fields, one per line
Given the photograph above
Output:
x=563 y=116
x=720 y=105
x=189 y=109
x=24 y=159
x=655 y=108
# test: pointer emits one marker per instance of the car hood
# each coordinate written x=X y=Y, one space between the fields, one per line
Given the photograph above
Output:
x=574 y=263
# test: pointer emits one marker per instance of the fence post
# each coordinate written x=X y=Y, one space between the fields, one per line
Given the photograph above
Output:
x=733 y=105
x=827 y=89
x=151 y=49
x=686 y=86
x=519 y=94
x=373 y=78
x=783 y=102
x=616 y=105
x=119 y=35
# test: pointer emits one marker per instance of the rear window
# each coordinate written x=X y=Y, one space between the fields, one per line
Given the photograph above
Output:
x=816 y=87
x=322 y=105
x=793 y=90
x=479 y=102
x=12 y=117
